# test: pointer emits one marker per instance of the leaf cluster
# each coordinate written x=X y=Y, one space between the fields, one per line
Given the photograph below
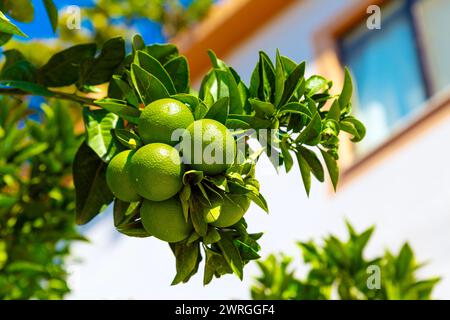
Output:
x=340 y=268
x=37 y=202
x=23 y=11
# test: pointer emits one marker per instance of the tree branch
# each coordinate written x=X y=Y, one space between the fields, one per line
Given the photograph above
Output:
x=58 y=95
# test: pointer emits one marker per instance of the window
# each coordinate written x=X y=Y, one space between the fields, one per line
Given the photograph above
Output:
x=398 y=67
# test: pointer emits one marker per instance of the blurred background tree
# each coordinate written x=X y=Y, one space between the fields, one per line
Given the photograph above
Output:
x=37 y=200
x=339 y=269
x=38 y=138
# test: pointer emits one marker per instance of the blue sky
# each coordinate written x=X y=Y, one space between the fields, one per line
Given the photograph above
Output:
x=41 y=27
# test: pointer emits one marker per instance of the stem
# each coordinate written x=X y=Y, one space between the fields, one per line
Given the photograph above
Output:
x=58 y=95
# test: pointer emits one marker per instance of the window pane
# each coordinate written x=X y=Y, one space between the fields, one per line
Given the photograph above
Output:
x=387 y=73
x=434 y=22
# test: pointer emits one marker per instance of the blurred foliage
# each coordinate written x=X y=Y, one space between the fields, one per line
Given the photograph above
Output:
x=339 y=269
x=37 y=200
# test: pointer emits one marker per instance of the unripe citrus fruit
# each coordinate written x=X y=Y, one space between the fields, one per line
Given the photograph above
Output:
x=161 y=118
x=232 y=211
x=165 y=220
x=157 y=171
x=118 y=177
x=208 y=146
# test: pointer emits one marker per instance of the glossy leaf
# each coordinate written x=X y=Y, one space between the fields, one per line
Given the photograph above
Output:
x=6 y=26
x=120 y=108
x=347 y=90
x=147 y=85
x=311 y=134
x=52 y=13
x=332 y=166
x=99 y=70
x=178 y=69
x=63 y=68
x=155 y=68
x=186 y=260
x=313 y=162
x=219 y=110
x=305 y=171
x=92 y=192
x=231 y=255
x=99 y=124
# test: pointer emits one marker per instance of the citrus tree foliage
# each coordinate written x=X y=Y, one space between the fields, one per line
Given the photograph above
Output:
x=338 y=268
x=308 y=119
x=23 y=11
x=37 y=200
x=172 y=15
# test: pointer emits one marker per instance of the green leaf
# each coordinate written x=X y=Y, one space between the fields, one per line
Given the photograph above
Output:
x=311 y=134
x=17 y=67
x=246 y=251
x=26 y=266
x=4 y=38
x=99 y=124
x=147 y=85
x=267 y=78
x=231 y=255
x=7 y=27
x=126 y=92
x=305 y=171
x=279 y=79
x=347 y=89
x=227 y=87
x=237 y=124
x=215 y=265
x=186 y=260
x=31 y=151
x=192 y=177
x=152 y=66
x=127 y=138
x=404 y=262
x=313 y=163
x=63 y=68
x=218 y=111
x=92 y=194
x=258 y=199
x=295 y=107
x=212 y=213
x=332 y=166
x=354 y=127
x=293 y=82
x=29 y=87
x=178 y=69
x=212 y=236
x=287 y=158
x=288 y=64
x=316 y=84
x=120 y=108
x=217 y=63
x=198 y=220
x=7 y=201
x=262 y=108
x=162 y=52
x=124 y=212
x=219 y=181
x=138 y=43
x=20 y=10
x=185 y=195
x=52 y=13
x=134 y=229
x=335 y=111
x=99 y=70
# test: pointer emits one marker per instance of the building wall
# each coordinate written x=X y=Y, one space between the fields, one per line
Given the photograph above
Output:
x=406 y=195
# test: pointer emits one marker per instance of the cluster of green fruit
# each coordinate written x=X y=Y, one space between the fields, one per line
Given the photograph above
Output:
x=155 y=171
